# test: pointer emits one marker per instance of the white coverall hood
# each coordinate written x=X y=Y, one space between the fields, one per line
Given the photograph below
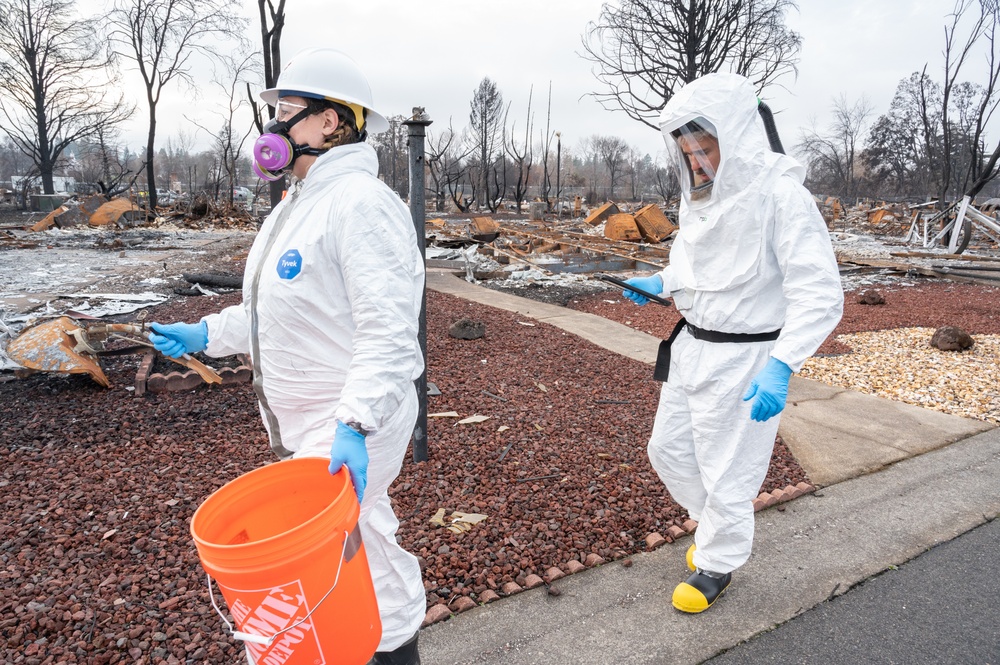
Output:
x=725 y=252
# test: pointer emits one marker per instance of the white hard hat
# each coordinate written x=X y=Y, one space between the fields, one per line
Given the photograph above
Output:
x=330 y=74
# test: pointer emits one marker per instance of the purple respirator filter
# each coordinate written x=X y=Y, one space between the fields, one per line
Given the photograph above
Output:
x=271 y=153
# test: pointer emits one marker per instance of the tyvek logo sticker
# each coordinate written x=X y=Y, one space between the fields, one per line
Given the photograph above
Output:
x=290 y=264
x=265 y=612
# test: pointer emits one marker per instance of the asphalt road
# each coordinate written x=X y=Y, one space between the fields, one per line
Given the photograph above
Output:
x=940 y=607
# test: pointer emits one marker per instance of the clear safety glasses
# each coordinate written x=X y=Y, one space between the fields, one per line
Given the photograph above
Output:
x=697 y=157
x=285 y=110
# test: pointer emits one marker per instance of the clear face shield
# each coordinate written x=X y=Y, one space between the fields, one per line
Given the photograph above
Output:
x=696 y=157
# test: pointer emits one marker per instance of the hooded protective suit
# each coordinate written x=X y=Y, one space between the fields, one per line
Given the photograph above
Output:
x=753 y=257
x=332 y=294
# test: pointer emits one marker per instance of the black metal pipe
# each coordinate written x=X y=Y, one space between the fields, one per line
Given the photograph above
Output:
x=417 y=126
x=772 y=131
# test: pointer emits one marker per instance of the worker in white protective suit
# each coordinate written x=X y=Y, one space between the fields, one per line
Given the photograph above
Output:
x=753 y=274
x=330 y=316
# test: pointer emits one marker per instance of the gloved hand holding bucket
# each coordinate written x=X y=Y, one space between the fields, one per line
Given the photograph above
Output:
x=349 y=450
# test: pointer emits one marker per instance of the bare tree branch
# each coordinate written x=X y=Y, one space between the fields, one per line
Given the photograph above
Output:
x=446 y=162
x=486 y=135
x=645 y=49
x=521 y=155
x=56 y=80
x=160 y=37
x=834 y=156
x=229 y=139
x=983 y=16
x=611 y=151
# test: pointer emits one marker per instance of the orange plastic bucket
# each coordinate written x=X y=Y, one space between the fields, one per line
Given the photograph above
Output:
x=283 y=544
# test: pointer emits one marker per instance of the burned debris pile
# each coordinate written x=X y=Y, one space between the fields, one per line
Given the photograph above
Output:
x=119 y=212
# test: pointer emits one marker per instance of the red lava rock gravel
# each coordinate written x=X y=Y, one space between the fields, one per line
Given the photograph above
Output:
x=98 y=486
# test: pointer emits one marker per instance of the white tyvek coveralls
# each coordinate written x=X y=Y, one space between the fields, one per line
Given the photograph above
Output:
x=338 y=340
x=753 y=258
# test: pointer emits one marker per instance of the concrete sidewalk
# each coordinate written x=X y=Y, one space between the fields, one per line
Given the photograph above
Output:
x=925 y=492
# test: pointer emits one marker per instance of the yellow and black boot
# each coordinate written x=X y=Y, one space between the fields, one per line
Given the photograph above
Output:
x=689 y=557
x=700 y=590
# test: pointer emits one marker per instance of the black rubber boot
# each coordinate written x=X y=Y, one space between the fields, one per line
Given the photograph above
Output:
x=700 y=590
x=405 y=654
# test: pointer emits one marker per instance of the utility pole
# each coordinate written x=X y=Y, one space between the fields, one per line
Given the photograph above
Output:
x=558 y=167
x=417 y=125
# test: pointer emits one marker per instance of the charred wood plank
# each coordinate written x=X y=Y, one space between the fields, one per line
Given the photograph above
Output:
x=214 y=279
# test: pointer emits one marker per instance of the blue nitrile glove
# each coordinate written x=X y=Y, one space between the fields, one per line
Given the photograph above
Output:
x=653 y=284
x=176 y=339
x=349 y=449
x=771 y=388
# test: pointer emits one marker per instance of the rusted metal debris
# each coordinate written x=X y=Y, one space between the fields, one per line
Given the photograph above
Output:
x=50 y=346
x=574 y=252
x=649 y=224
x=602 y=212
x=621 y=226
x=115 y=210
x=98 y=211
x=653 y=224
x=49 y=220
x=612 y=238
x=146 y=380
x=94 y=210
x=68 y=346
x=484 y=229
x=627 y=241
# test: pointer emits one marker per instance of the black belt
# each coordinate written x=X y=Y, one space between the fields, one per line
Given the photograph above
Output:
x=662 y=368
x=736 y=338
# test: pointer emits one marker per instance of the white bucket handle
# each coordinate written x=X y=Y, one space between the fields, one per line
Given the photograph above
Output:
x=268 y=640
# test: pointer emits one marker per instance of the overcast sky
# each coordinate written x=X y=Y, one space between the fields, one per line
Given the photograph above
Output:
x=434 y=54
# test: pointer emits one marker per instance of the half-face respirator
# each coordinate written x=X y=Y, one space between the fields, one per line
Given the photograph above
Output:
x=274 y=152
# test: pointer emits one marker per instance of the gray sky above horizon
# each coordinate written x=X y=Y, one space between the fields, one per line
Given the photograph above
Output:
x=435 y=53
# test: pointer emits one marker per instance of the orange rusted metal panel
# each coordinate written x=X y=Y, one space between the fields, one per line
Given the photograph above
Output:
x=112 y=211
x=653 y=224
x=64 y=345
x=876 y=216
x=622 y=227
x=598 y=215
x=484 y=229
x=50 y=347
x=49 y=220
